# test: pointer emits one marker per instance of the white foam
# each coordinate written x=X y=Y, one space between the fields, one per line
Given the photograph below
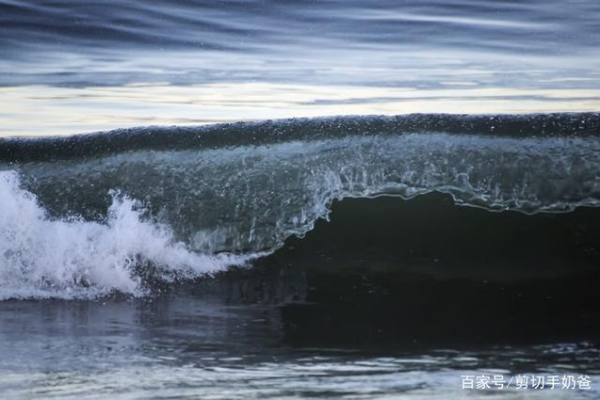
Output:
x=44 y=258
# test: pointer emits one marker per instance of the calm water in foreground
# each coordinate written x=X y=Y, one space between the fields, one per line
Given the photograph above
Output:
x=188 y=347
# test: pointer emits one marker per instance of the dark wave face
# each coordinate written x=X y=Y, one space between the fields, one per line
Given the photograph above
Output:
x=196 y=200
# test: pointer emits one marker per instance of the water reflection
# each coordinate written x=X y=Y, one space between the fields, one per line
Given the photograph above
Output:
x=194 y=347
x=49 y=110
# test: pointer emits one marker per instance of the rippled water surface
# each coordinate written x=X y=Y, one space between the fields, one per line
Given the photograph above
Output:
x=189 y=347
x=77 y=67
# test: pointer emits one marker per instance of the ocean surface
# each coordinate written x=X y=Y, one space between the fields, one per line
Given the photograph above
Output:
x=71 y=68
x=283 y=199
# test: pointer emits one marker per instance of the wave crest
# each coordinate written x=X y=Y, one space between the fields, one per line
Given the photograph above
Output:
x=41 y=257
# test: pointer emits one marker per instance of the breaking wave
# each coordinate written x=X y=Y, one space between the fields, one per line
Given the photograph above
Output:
x=73 y=258
x=80 y=215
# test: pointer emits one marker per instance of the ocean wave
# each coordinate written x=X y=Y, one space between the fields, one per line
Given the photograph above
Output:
x=45 y=258
x=190 y=201
x=156 y=138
